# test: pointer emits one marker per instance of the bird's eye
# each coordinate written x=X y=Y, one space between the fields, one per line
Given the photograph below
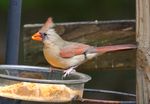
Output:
x=44 y=34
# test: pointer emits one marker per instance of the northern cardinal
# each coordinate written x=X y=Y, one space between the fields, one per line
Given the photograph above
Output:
x=68 y=55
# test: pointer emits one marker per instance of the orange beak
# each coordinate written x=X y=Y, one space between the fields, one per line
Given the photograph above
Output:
x=37 y=36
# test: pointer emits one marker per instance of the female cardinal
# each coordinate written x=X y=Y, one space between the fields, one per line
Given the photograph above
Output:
x=68 y=55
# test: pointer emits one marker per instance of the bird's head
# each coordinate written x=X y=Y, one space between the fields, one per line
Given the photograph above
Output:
x=45 y=31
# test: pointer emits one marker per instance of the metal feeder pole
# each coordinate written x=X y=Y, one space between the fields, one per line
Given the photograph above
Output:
x=13 y=31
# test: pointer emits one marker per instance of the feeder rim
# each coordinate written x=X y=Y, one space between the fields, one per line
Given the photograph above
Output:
x=83 y=77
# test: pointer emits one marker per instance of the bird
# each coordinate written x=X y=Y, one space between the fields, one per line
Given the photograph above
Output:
x=67 y=55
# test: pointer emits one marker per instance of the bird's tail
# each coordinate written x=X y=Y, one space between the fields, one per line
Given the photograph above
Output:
x=112 y=48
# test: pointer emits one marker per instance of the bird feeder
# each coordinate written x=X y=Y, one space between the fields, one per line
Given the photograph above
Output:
x=29 y=83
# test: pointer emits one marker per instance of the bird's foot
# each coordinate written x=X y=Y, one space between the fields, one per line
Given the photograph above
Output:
x=68 y=71
x=51 y=69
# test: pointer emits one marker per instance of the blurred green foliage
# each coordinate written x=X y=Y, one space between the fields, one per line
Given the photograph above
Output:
x=75 y=10
x=81 y=10
x=3 y=5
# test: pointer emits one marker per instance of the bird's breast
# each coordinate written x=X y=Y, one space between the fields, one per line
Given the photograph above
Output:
x=52 y=56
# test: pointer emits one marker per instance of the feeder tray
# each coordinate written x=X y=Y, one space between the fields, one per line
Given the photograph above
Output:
x=39 y=84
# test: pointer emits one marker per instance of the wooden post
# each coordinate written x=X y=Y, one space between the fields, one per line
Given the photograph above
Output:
x=143 y=51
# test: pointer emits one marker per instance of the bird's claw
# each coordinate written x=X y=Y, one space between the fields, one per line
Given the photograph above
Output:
x=50 y=69
x=68 y=71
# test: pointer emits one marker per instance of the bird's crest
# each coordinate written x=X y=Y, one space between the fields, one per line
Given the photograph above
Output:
x=48 y=24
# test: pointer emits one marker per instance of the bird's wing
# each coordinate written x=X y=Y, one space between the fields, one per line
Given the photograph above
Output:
x=73 y=49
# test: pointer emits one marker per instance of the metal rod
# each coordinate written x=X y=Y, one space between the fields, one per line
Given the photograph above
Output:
x=110 y=92
x=94 y=101
x=13 y=31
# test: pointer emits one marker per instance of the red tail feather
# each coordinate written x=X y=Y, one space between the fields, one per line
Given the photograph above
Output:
x=104 y=49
